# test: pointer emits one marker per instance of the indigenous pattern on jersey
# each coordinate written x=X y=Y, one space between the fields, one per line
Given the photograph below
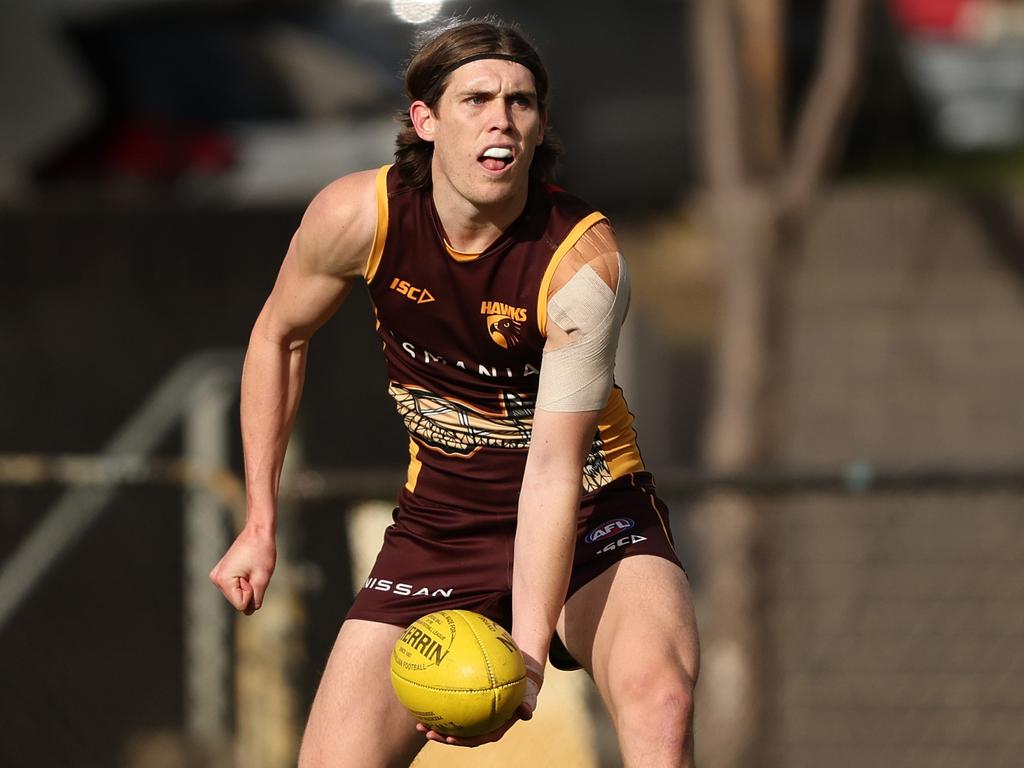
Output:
x=463 y=336
x=459 y=428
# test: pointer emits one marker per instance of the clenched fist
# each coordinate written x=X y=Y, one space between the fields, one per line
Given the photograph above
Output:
x=244 y=572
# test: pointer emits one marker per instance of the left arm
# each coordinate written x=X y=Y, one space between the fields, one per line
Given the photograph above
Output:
x=586 y=308
x=587 y=303
x=544 y=544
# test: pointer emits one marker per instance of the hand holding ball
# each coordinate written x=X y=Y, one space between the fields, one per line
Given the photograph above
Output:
x=458 y=673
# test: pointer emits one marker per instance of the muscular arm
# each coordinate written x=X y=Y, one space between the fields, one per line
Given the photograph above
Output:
x=325 y=257
x=562 y=436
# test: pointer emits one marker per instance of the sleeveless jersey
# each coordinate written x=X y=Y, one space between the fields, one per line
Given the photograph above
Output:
x=463 y=337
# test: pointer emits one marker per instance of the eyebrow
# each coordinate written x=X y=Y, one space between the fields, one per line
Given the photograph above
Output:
x=521 y=93
x=532 y=95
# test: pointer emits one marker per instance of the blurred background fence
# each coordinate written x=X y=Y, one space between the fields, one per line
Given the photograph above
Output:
x=822 y=210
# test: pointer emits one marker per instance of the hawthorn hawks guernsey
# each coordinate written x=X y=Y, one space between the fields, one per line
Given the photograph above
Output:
x=463 y=336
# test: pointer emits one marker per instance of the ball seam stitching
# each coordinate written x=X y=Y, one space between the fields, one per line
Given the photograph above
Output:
x=495 y=687
x=487 y=659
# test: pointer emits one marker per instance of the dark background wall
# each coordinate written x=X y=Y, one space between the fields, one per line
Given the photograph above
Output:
x=97 y=305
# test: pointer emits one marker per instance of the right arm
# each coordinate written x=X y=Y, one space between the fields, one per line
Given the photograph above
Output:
x=325 y=258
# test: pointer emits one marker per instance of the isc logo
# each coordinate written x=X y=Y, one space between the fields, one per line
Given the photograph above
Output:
x=623 y=541
x=612 y=527
x=411 y=292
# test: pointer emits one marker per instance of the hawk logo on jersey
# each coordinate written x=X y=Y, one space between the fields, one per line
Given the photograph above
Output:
x=504 y=322
x=504 y=330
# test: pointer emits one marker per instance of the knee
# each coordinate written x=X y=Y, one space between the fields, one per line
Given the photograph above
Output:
x=658 y=699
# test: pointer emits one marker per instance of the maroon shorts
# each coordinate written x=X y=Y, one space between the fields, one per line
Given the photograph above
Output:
x=435 y=557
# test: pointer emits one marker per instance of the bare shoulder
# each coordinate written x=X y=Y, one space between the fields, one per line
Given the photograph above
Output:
x=337 y=229
x=598 y=249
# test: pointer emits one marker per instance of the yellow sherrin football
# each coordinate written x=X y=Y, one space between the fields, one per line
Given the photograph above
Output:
x=458 y=672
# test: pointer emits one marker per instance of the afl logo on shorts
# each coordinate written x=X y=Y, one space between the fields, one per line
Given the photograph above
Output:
x=611 y=528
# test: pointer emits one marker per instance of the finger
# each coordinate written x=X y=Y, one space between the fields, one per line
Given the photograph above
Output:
x=243 y=596
x=475 y=741
x=441 y=738
x=227 y=588
x=259 y=589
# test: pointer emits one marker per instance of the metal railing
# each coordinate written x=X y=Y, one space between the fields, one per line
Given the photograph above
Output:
x=196 y=396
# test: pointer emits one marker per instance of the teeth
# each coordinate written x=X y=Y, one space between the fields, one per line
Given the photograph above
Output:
x=499 y=153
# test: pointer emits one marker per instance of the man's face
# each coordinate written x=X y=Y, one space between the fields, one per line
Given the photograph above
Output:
x=485 y=128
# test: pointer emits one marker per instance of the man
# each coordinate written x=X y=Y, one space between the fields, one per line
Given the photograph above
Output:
x=479 y=273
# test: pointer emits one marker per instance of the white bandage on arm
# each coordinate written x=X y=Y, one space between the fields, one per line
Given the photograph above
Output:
x=579 y=375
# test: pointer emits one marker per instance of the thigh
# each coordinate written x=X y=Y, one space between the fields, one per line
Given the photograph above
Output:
x=619 y=522
x=636 y=617
x=356 y=720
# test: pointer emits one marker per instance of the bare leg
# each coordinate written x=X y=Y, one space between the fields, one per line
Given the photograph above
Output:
x=356 y=721
x=633 y=630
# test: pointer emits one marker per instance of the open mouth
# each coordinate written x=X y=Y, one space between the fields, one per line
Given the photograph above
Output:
x=497 y=158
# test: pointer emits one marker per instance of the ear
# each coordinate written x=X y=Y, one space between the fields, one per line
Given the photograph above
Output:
x=422 y=120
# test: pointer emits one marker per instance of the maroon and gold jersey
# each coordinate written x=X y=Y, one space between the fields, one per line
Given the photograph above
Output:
x=463 y=336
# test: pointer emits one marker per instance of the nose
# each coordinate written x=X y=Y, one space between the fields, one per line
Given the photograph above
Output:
x=500 y=114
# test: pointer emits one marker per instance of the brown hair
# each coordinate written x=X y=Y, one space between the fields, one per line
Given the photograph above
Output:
x=438 y=52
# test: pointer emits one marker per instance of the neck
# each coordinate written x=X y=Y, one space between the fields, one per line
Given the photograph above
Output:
x=472 y=227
